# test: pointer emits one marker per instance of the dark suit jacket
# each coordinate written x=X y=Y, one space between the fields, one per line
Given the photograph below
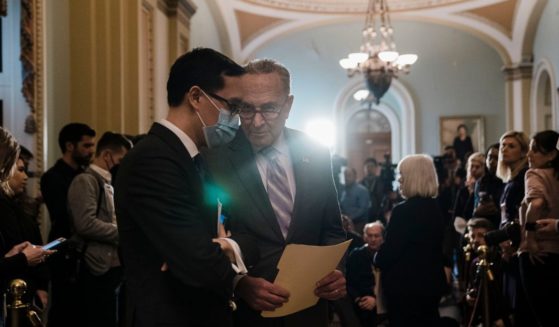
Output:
x=163 y=217
x=411 y=258
x=315 y=220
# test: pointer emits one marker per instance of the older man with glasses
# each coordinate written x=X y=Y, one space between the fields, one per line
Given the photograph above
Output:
x=280 y=190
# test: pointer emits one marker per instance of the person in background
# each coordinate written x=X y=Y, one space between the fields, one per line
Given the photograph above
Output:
x=411 y=257
x=539 y=258
x=462 y=144
x=488 y=190
x=354 y=201
x=361 y=277
x=77 y=143
x=17 y=228
x=91 y=209
x=511 y=169
x=374 y=184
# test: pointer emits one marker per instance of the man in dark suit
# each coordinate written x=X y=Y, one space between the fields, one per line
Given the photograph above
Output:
x=361 y=277
x=280 y=190
x=175 y=275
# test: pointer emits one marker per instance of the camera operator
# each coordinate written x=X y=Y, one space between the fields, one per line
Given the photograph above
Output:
x=511 y=169
x=498 y=310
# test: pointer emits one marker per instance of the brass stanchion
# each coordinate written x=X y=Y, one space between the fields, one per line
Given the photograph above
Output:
x=20 y=313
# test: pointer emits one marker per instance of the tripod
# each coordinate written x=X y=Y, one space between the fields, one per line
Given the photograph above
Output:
x=484 y=275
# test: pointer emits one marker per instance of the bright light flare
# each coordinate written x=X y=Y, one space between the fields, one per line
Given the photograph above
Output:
x=323 y=131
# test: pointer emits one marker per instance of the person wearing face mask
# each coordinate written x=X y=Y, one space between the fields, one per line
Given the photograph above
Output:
x=91 y=209
x=224 y=130
x=175 y=274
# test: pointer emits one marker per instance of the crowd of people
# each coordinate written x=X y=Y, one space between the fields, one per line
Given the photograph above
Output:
x=493 y=224
x=185 y=226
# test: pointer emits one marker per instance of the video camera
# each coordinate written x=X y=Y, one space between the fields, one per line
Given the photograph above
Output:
x=509 y=232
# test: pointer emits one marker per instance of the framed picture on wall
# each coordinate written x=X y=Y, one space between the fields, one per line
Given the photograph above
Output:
x=474 y=127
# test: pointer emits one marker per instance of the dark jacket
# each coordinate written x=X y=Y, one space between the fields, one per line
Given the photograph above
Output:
x=162 y=217
x=15 y=228
x=316 y=218
x=411 y=258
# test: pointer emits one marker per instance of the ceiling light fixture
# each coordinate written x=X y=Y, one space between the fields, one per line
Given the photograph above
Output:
x=378 y=59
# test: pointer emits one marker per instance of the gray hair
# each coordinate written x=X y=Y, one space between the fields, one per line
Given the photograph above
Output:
x=419 y=177
x=374 y=224
x=269 y=66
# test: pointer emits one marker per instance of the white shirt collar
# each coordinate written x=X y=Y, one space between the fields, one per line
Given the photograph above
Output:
x=185 y=139
x=104 y=173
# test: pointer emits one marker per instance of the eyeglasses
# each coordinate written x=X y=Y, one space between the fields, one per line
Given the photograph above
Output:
x=233 y=107
x=268 y=110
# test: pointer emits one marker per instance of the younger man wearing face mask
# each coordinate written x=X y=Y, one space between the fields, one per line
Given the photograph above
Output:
x=163 y=211
x=91 y=210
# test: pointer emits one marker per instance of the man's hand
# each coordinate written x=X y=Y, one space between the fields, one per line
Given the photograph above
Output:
x=226 y=248
x=367 y=303
x=260 y=294
x=332 y=287
x=546 y=226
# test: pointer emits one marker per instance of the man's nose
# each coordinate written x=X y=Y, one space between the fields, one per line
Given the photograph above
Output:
x=258 y=120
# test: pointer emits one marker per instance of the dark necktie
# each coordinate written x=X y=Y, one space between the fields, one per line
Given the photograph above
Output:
x=279 y=192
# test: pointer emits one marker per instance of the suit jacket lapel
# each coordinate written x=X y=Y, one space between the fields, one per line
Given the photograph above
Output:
x=244 y=164
x=182 y=155
x=301 y=170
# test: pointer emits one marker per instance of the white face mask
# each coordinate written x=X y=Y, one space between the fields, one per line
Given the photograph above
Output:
x=224 y=130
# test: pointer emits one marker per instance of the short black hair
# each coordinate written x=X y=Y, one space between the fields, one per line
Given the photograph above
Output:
x=112 y=141
x=546 y=142
x=73 y=133
x=492 y=146
x=203 y=67
x=371 y=161
x=25 y=154
x=480 y=223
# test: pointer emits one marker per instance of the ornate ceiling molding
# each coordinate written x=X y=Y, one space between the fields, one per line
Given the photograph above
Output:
x=347 y=6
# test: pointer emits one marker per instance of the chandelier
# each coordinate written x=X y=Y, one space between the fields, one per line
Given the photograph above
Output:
x=378 y=59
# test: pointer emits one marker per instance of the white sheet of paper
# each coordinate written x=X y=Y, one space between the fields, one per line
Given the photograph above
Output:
x=300 y=268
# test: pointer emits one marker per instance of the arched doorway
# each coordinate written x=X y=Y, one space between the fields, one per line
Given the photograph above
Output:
x=368 y=135
x=543 y=102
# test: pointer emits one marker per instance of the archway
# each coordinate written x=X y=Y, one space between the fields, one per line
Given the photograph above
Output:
x=543 y=100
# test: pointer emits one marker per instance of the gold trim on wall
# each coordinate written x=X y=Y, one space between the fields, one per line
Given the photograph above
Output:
x=39 y=86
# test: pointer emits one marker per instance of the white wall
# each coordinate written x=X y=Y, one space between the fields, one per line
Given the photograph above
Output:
x=203 y=27
x=546 y=48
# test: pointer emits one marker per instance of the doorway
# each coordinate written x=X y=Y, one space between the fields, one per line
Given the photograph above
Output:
x=368 y=135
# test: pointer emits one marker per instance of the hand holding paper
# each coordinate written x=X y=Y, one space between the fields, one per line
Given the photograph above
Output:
x=300 y=267
x=332 y=287
x=260 y=294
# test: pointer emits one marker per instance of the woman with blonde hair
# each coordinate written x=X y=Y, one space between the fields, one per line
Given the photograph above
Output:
x=411 y=258
x=511 y=169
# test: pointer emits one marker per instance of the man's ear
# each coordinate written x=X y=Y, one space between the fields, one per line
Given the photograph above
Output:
x=192 y=97
x=69 y=146
x=288 y=104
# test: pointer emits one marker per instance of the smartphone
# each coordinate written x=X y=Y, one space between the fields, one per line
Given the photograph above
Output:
x=54 y=244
